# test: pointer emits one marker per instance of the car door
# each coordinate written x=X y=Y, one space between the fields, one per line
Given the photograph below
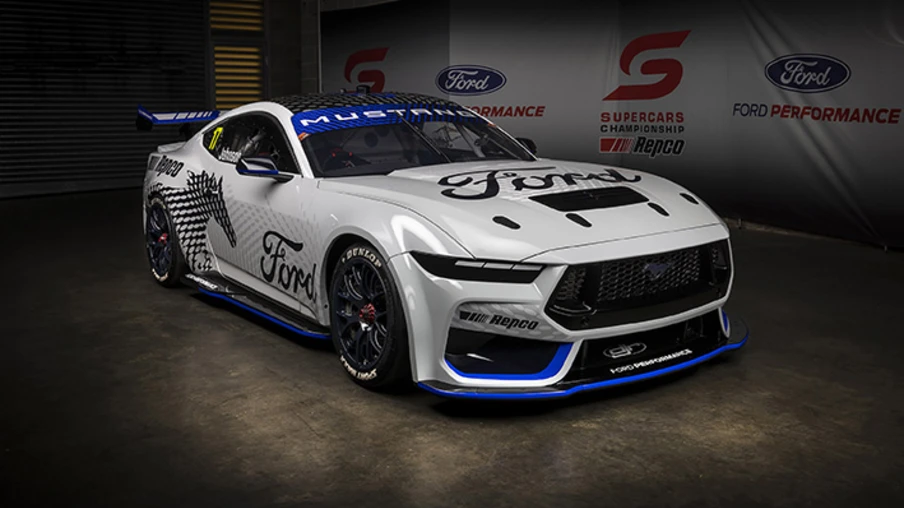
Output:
x=273 y=254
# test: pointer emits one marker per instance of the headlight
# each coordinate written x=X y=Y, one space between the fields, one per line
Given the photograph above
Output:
x=477 y=269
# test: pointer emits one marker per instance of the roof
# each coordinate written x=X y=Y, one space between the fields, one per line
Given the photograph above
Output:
x=315 y=101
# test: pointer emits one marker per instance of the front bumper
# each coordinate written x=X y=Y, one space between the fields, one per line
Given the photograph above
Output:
x=641 y=370
x=435 y=305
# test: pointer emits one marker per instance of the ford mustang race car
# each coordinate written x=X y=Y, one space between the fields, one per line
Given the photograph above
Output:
x=430 y=246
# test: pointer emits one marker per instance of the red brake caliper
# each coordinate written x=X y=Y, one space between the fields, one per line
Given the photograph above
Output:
x=163 y=238
x=368 y=314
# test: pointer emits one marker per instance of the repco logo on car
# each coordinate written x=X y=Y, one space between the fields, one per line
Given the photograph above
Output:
x=808 y=73
x=168 y=166
x=496 y=319
x=469 y=80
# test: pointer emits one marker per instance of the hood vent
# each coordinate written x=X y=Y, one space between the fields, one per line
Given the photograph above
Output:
x=578 y=219
x=505 y=221
x=590 y=199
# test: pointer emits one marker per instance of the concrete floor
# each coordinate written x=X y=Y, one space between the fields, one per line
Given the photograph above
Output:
x=116 y=392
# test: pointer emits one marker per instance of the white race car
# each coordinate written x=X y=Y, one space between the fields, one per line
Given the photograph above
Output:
x=429 y=245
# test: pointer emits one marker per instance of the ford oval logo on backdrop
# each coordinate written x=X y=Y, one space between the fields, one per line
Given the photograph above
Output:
x=469 y=80
x=808 y=73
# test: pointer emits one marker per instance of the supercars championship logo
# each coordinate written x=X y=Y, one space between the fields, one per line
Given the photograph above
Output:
x=651 y=133
x=373 y=77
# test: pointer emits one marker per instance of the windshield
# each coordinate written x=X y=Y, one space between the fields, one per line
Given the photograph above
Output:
x=380 y=149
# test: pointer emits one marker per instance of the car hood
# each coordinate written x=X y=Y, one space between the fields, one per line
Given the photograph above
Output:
x=487 y=207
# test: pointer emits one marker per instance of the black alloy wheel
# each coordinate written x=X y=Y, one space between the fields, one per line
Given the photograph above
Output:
x=368 y=325
x=360 y=304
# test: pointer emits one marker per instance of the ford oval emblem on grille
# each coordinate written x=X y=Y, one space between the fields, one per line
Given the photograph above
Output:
x=656 y=270
x=808 y=73
x=469 y=80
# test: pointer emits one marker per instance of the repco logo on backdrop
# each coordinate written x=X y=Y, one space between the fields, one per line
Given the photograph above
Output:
x=649 y=121
x=812 y=73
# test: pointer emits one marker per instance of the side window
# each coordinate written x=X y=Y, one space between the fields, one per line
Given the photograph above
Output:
x=447 y=135
x=250 y=136
x=220 y=140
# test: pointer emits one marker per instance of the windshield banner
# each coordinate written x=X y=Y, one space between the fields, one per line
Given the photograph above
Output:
x=321 y=120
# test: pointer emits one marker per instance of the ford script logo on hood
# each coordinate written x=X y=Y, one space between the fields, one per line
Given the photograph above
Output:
x=469 y=80
x=808 y=73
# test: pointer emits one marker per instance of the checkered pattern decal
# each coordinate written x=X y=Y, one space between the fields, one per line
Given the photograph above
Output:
x=315 y=101
x=297 y=222
x=191 y=208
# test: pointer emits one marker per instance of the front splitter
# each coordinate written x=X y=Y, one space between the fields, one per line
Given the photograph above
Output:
x=737 y=340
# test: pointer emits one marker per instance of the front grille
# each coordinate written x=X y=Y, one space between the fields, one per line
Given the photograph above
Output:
x=639 y=277
x=640 y=288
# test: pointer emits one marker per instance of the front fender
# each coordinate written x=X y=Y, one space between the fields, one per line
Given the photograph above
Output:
x=391 y=228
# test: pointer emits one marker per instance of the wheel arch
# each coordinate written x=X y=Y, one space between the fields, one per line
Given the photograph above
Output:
x=333 y=253
x=335 y=250
x=386 y=227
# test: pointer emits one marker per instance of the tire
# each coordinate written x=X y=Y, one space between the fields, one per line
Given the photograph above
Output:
x=162 y=245
x=367 y=320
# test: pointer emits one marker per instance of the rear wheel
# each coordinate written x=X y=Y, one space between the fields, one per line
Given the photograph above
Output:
x=367 y=320
x=162 y=245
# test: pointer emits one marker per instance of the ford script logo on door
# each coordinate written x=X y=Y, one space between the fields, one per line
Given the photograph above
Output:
x=469 y=80
x=808 y=73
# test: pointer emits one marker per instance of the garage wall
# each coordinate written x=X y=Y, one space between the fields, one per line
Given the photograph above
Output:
x=293 y=43
x=71 y=76
x=775 y=112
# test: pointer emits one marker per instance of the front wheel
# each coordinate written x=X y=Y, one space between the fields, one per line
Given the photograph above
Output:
x=367 y=320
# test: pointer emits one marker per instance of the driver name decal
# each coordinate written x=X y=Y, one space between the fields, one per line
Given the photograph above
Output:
x=275 y=267
x=227 y=155
x=486 y=184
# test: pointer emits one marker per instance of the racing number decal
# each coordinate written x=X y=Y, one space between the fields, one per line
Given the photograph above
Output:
x=215 y=138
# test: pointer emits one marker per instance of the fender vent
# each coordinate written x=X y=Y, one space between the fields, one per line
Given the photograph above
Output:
x=690 y=198
x=590 y=199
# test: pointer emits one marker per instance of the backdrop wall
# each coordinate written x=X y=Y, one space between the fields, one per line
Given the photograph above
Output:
x=787 y=113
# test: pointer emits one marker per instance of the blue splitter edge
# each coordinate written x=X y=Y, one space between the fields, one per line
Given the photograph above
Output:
x=590 y=386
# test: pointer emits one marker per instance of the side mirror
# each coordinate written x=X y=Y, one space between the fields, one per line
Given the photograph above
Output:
x=261 y=166
x=529 y=144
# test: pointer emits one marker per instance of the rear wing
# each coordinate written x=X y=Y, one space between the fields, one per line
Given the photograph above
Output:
x=146 y=120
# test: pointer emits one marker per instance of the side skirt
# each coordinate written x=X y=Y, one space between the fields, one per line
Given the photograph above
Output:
x=240 y=296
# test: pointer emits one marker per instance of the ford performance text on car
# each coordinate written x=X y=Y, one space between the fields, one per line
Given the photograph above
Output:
x=430 y=246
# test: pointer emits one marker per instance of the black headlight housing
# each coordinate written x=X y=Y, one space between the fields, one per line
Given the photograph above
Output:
x=484 y=270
